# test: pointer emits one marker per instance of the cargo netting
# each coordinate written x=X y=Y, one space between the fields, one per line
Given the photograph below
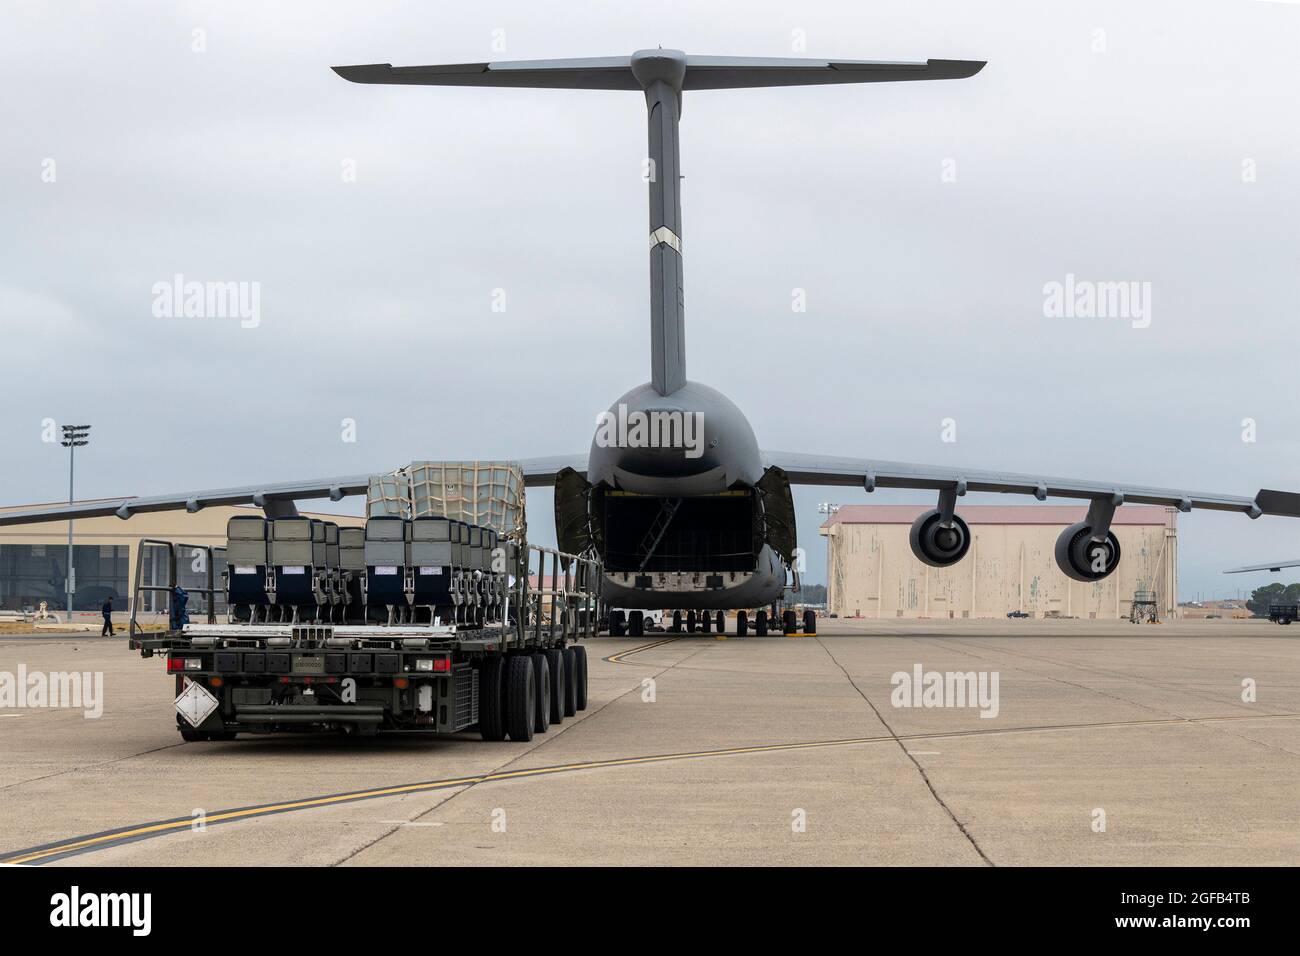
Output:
x=486 y=493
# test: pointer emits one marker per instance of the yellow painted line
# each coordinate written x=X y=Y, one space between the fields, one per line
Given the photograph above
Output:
x=173 y=826
x=618 y=658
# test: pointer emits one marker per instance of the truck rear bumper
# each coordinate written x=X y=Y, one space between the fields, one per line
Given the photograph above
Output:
x=315 y=714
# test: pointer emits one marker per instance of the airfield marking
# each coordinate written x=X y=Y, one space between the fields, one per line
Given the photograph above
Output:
x=100 y=841
x=618 y=658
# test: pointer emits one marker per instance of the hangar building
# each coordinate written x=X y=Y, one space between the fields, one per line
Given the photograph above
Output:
x=34 y=557
x=872 y=572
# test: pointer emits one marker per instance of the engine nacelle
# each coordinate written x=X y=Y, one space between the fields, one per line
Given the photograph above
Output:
x=1083 y=559
x=936 y=545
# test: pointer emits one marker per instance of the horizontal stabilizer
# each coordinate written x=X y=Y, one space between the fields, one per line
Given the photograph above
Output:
x=585 y=73
x=1271 y=566
x=740 y=72
x=702 y=73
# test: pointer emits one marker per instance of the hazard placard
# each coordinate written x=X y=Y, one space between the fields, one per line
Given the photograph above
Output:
x=195 y=703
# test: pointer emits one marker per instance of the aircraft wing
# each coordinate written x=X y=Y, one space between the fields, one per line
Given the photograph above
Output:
x=1271 y=566
x=538 y=472
x=871 y=474
x=541 y=472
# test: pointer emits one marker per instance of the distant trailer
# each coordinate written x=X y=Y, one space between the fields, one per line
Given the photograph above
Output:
x=1283 y=613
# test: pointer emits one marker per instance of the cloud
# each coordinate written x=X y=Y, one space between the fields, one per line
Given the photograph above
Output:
x=924 y=296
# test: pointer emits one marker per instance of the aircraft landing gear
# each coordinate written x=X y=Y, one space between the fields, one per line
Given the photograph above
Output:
x=677 y=622
x=722 y=622
x=810 y=622
x=706 y=622
x=789 y=621
x=742 y=623
x=760 y=623
x=636 y=624
x=690 y=622
x=616 y=623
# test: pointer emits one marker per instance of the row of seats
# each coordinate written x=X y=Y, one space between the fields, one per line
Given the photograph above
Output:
x=428 y=568
x=394 y=571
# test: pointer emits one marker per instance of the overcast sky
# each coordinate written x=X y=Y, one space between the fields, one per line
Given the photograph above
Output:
x=1153 y=142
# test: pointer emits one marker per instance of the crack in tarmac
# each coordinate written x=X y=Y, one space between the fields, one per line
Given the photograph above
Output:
x=910 y=756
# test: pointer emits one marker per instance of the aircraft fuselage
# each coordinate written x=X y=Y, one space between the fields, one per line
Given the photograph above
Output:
x=675 y=498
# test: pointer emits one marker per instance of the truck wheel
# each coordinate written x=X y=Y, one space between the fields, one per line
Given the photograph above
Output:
x=555 y=664
x=192 y=736
x=570 y=682
x=580 y=672
x=742 y=623
x=521 y=697
x=810 y=622
x=491 y=712
x=542 y=697
x=760 y=623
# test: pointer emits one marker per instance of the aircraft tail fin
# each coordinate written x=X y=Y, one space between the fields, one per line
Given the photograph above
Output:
x=663 y=75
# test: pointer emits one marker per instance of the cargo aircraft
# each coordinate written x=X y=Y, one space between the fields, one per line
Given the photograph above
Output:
x=707 y=525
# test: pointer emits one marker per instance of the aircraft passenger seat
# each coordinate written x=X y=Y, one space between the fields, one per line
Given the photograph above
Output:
x=386 y=569
x=246 y=564
x=429 y=557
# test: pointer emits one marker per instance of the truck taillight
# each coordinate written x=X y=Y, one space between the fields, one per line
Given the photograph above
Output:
x=442 y=664
x=175 y=664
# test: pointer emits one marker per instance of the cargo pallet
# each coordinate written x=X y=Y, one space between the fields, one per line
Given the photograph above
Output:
x=511 y=672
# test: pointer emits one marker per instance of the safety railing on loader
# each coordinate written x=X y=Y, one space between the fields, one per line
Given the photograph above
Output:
x=158 y=608
x=561 y=595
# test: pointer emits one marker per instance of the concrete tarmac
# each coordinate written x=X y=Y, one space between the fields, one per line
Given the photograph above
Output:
x=1106 y=743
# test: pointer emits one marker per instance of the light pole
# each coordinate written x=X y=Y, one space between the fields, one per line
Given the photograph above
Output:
x=829 y=509
x=74 y=437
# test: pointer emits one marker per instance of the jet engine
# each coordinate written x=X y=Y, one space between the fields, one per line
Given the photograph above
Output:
x=936 y=545
x=1084 y=559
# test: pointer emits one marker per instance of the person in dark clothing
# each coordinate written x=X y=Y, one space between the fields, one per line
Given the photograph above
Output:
x=180 y=616
x=107 y=630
